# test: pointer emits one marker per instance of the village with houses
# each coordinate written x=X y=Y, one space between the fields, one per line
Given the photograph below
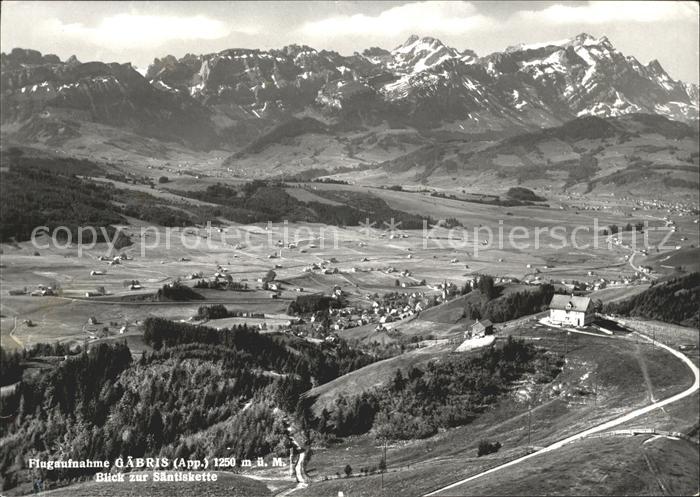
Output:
x=360 y=297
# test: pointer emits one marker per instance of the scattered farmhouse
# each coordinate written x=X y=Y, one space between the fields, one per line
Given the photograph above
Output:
x=43 y=291
x=570 y=310
x=481 y=328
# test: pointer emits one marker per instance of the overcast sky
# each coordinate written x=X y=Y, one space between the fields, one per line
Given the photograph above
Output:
x=138 y=32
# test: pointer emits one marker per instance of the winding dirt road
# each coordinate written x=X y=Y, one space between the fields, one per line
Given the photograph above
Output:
x=600 y=428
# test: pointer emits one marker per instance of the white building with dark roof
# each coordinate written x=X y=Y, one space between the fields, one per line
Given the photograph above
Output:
x=570 y=310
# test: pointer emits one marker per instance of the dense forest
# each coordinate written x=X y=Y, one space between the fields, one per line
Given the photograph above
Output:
x=226 y=283
x=47 y=192
x=215 y=311
x=177 y=292
x=673 y=301
x=520 y=193
x=32 y=197
x=261 y=201
x=614 y=229
x=443 y=394
x=18 y=158
x=10 y=368
x=507 y=307
x=316 y=364
x=67 y=402
x=517 y=304
x=488 y=199
x=308 y=304
x=200 y=392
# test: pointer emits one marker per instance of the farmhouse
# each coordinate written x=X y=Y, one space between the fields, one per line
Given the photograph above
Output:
x=567 y=309
x=43 y=291
x=481 y=328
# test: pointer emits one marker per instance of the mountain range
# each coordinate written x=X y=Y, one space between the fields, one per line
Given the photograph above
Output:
x=240 y=100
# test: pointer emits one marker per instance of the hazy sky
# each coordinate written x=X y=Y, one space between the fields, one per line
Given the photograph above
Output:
x=139 y=31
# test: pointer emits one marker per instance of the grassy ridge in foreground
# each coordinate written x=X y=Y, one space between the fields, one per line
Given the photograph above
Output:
x=599 y=466
x=602 y=377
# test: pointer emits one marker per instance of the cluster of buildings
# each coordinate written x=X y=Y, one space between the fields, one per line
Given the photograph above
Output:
x=382 y=311
x=320 y=266
x=679 y=208
x=403 y=305
x=113 y=261
x=44 y=291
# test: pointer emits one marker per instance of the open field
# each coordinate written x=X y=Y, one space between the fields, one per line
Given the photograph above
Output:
x=614 y=294
x=641 y=465
x=363 y=257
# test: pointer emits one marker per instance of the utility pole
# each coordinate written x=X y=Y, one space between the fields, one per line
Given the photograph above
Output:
x=566 y=346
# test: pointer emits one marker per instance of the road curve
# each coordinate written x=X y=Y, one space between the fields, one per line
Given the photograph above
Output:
x=12 y=335
x=602 y=427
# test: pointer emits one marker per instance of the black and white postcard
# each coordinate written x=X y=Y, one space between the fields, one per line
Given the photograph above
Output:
x=349 y=248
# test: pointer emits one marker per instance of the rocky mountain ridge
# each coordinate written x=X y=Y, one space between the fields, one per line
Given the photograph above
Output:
x=228 y=99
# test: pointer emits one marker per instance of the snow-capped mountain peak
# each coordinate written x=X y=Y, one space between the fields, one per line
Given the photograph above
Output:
x=421 y=81
x=587 y=40
x=523 y=47
x=581 y=40
x=418 y=54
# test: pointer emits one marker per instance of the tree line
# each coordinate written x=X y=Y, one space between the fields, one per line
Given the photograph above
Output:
x=499 y=309
x=261 y=201
x=199 y=393
x=443 y=394
x=672 y=301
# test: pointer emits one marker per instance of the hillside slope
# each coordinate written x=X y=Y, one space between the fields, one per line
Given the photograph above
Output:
x=635 y=151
